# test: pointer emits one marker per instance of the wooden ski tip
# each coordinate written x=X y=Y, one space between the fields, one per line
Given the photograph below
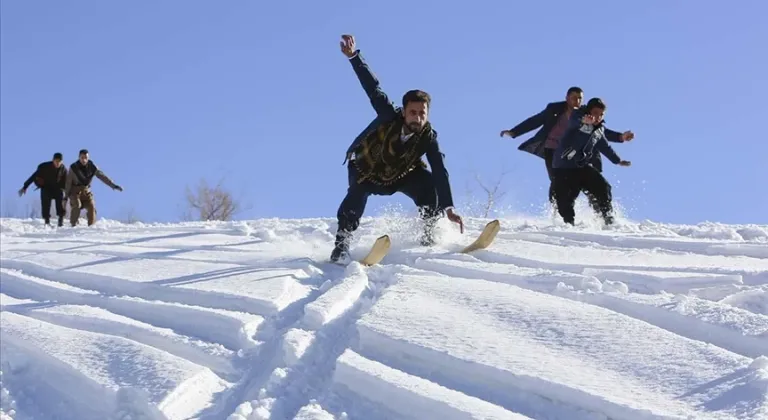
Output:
x=486 y=237
x=378 y=251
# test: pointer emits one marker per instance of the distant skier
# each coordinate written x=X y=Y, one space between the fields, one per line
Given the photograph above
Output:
x=386 y=158
x=573 y=167
x=553 y=121
x=78 y=187
x=50 y=177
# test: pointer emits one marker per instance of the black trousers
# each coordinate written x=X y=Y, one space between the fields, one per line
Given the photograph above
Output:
x=417 y=185
x=46 y=195
x=568 y=183
x=548 y=156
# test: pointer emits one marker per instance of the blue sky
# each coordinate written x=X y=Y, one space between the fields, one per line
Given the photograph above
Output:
x=166 y=93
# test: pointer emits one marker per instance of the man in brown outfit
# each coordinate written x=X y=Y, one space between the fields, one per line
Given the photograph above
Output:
x=78 y=187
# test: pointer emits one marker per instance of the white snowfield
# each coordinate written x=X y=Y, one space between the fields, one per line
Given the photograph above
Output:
x=249 y=320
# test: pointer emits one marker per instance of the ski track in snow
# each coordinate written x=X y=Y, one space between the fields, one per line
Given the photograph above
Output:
x=244 y=321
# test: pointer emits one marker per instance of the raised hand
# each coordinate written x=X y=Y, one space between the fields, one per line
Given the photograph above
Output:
x=588 y=119
x=625 y=163
x=627 y=135
x=507 y=133
x=348 y=46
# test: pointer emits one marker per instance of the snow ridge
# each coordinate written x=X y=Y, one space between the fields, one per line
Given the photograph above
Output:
x=248 y=320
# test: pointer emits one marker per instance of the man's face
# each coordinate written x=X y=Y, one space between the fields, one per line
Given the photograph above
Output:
x=416 y=114
x=84 y=158
x=574 y=99
x=56 y=163
x=598 y=114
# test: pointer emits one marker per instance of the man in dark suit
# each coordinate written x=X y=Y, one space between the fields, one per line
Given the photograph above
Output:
x=386 y=158
x=573 y=167
x=553 y=121
x=50 y=177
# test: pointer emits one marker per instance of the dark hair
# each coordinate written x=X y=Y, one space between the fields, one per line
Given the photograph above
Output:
x=58 y=156
x=595 y=103
x=83 y=151
x=416 y=95
x=574 y=89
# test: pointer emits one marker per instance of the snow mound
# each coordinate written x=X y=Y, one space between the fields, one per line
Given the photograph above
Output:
x=248 y=320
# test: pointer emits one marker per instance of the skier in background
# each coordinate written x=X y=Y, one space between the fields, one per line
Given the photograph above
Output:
x=50 y=177
x=573 y=167
x=553 y=120
x=78 y=187
x=386 y=158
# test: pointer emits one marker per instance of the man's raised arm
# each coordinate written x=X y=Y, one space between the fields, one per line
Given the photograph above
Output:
x=617 y=137
x=531 y=123
x=381 y=103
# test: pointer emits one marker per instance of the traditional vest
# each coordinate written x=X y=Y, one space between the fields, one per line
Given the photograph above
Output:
x=83 y=173
x=382 y=158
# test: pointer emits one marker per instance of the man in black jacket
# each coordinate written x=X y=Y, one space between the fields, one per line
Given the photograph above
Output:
x=50 y=178
x=553 y=120
x=386 y=158
x=78 y=187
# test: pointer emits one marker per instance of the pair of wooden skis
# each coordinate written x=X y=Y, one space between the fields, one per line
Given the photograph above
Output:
x=381 y=247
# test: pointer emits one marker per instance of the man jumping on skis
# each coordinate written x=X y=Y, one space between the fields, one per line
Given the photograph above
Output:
x=553 y=120
x=573 y=164
x=386 y=158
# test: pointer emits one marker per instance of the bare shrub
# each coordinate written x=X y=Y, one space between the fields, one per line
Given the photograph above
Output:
x=208 y=203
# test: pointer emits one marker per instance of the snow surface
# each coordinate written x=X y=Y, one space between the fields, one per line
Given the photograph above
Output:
x=248 y=320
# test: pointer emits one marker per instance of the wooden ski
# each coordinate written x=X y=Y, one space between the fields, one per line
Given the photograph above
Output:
x=378 y=251
x=486 y=237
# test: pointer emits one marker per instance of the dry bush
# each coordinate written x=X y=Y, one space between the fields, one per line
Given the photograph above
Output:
x=208 y=203
x=482 y=203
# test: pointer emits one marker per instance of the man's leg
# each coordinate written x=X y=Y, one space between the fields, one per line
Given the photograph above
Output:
x=45 y=205
x=566 y=185
x=592 y=201
x=599 y=190
x=89 y=202
x=420 y=187
x=60 y=210
x=74 y=208
x=549 y=154
x=349 y=213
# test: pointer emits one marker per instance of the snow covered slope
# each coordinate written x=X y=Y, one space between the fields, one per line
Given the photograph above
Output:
x=242 y=321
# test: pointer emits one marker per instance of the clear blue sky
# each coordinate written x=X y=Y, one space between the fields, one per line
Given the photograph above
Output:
x=165 y=93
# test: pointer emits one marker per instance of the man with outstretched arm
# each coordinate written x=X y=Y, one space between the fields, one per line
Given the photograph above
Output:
x=50 y=177
x=386 y=158
x=573 y=162
x=553 y=120
x=78 y=187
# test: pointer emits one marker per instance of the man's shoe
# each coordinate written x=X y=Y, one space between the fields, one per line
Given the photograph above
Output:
x=341 y=247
